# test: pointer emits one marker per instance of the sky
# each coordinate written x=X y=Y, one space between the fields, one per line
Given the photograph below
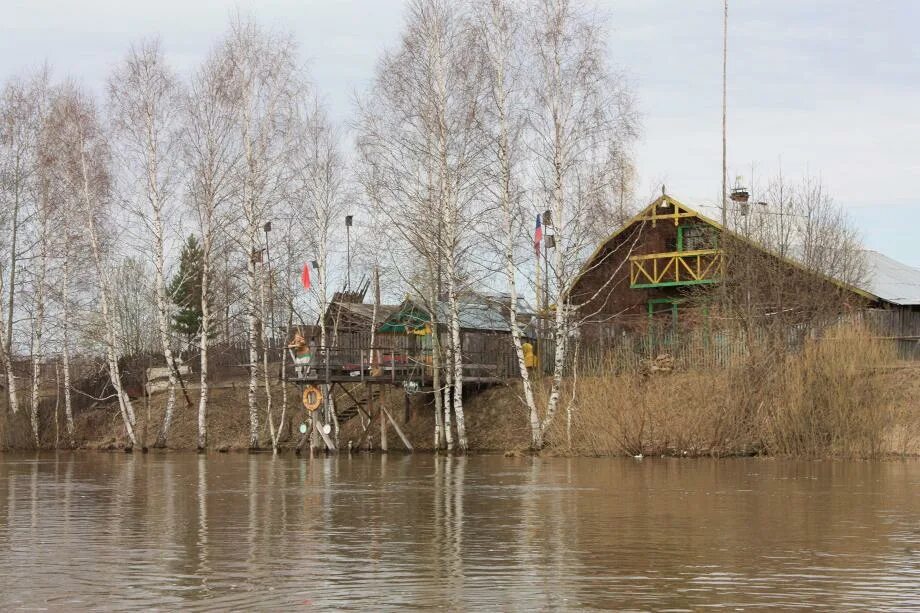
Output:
x=829 y=88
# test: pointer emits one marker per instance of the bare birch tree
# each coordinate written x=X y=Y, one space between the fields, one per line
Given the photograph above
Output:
x=211 y=156
x=86 y=158
x=263 y=85
x=144 y=100
x=20 y=132
x=500 y=44
x=46 y=197
x=318 y=206
x=581 y=120
x=420 y=151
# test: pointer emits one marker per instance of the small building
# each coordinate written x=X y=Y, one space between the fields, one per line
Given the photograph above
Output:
x=485 y=332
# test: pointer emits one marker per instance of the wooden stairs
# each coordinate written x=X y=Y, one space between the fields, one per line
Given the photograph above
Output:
x=354 y=401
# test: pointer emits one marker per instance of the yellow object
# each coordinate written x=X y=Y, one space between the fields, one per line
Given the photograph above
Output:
x=530 y=360
x=312 y=398
x=676 y=267
x=422 y=331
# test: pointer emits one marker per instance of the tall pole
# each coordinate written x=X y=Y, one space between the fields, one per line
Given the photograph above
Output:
x=724 y=292
x=545 y=272
x=348 y=220
x=724 y=107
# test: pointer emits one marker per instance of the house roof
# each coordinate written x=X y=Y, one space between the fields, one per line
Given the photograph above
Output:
x=477 y=316
x=363 y=311
x=485 y=314
x=681 y=209
x=890 y=280
x=367 y=310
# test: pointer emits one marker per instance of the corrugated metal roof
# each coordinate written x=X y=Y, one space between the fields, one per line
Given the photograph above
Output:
x=890 y=280
x=477 y=316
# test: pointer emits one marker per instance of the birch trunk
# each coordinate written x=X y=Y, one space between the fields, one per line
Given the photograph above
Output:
x=440 y=432
x=253 y=329
x=266 y=373
x=163 y=323
x=65 y=350
x=38 y=323
x=498 y=23
x=124 y=403
x=284 y=390
x=144 y=115
x=204 y=341
x=457 y=350
x=10 y=377
x=448 y=392
x=11 y=293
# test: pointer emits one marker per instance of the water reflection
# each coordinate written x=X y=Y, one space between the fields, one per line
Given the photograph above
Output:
x=116 y=531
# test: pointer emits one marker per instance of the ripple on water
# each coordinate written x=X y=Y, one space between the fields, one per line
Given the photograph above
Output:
x=112 y=531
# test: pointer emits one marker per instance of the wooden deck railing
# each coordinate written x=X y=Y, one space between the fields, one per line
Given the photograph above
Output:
x=675 y=268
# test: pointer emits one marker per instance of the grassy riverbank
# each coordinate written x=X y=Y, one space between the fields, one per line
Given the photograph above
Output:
x=844 y=396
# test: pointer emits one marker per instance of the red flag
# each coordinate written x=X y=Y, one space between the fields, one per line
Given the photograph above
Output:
x=305 y=276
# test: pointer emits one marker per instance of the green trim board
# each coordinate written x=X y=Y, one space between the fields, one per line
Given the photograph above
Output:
x=408 y=317
x=672 y=283
x=673 y=302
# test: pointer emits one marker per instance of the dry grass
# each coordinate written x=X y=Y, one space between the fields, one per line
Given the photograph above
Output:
x=838 y=396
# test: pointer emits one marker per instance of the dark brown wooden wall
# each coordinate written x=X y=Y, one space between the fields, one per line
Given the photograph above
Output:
x=617 y=299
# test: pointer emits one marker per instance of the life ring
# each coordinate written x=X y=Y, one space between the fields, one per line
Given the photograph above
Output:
x=312 y=398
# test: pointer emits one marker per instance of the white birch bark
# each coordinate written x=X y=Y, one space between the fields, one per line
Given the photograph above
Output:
x=252 y=320
x=90 y=211
x=38 y=320
x=212 y=156
x=447 y=404
x=264 y=85
x=440 y=428
x=203 y=342
x=65 y=348
x=143 y=96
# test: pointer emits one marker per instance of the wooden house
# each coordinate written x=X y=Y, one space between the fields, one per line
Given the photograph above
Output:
x=665 y=261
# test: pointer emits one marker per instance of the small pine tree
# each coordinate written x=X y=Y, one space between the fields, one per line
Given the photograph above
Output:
x=185 y=290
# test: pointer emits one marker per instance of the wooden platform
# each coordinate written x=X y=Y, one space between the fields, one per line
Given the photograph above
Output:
x=424 y=382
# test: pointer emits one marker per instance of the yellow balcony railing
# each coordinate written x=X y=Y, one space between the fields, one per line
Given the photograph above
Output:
x=675 y=268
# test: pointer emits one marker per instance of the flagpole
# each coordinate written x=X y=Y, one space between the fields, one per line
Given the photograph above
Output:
x=539 y=326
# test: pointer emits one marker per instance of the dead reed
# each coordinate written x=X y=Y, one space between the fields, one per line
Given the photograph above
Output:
x=843 y=394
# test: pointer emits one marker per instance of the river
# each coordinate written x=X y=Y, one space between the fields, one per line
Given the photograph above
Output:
x=238 y=531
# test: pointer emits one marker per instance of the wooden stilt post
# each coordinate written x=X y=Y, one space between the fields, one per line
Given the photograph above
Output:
x=397 y=428
x=383 y=425
x=407 y=405
x=318 y=426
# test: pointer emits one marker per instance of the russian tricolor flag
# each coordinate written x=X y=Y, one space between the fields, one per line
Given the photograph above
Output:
x=538 y=235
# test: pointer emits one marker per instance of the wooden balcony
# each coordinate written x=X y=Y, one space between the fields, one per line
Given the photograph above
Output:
x=675 y=268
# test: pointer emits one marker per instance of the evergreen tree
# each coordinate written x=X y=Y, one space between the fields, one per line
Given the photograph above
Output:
x=185 y=290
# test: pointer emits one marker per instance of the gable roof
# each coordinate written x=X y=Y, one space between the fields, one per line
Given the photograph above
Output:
x=679 y=211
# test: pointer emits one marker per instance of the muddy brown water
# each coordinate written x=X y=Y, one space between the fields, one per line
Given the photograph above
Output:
x=238 y=531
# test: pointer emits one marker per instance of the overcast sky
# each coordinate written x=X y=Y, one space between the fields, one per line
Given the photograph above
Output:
x=829 y=87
